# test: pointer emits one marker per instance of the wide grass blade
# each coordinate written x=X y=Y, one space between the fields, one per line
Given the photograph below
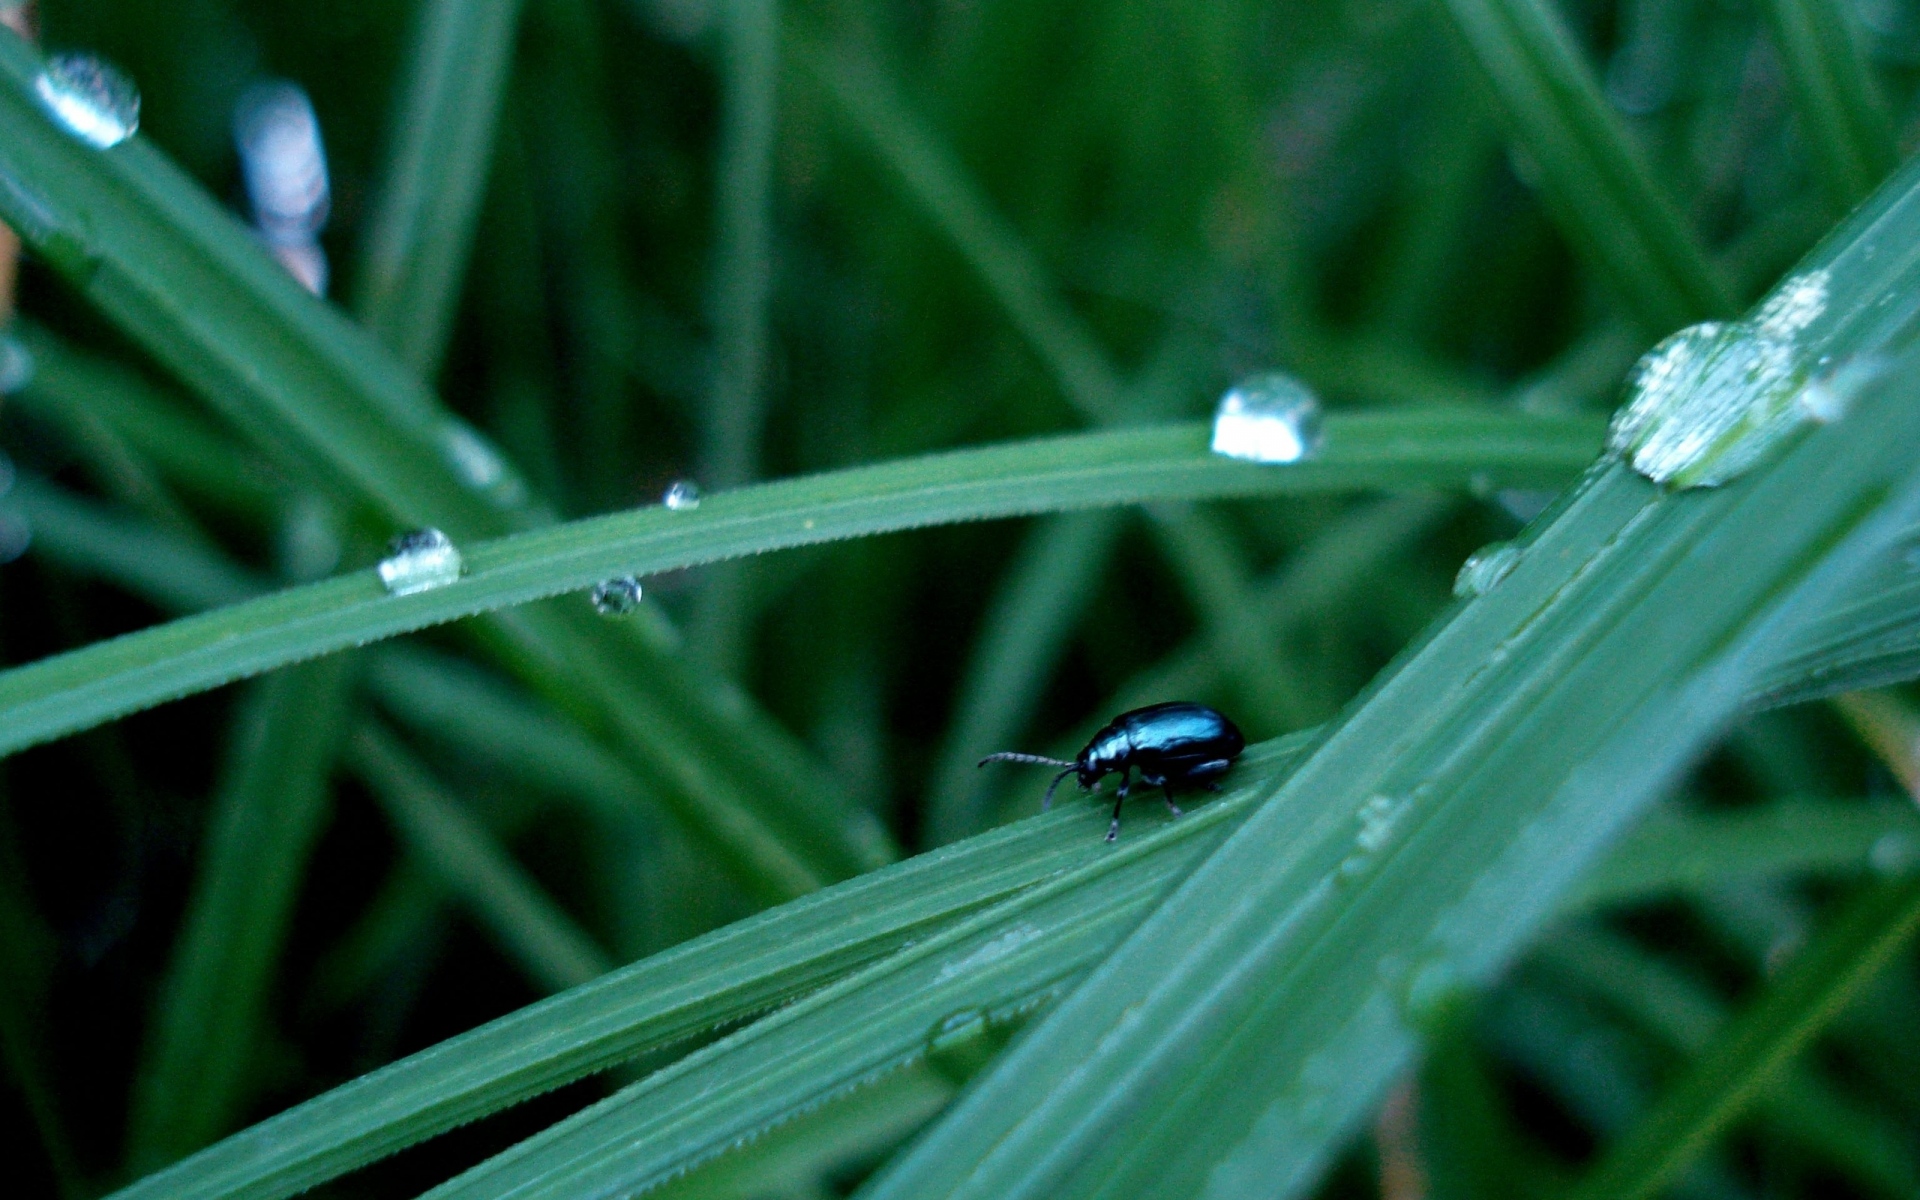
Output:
x=208 y=1023
x=1596 y=181
x=84 y=687
x=1326 y=928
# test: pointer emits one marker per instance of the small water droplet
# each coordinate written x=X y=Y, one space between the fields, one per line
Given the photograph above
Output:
x=1271 y=418
x=616 y=597
x=964 y=1026
x=16 y=366
x=1485 y=568
x=1710 y=401
x=420 y=561
x=283 y=161
x=683 y=495
x=90 y=98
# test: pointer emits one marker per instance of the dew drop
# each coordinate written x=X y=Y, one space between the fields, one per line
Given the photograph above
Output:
x=420 y=561
x=1712 y=400
x=1271 y=418
x=16 y=366
x=90 y=98
x=1485 y=568
x=616 y=597
x=969 y=1024
x=683 y=495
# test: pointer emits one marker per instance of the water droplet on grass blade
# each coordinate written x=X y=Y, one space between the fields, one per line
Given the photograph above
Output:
x=683 y=495
x=616 y=597
x=1712 y=400
x=90 y=98
x=420 y=561
x=1485 y=568
x=1271 y=418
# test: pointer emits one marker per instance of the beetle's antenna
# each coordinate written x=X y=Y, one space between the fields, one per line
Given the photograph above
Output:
x=1037 y=759
x=1046 y=802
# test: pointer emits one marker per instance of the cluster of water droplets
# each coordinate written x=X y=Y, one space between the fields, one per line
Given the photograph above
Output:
x=1712 y=400
x=1270 y=418
x=90 y=99
x=420 y=561
x=284 y=164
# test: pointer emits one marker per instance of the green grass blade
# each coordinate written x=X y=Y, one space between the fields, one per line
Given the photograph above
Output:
x=734 y=972
x=1750 y=1053
x=181 y=276
x=530 y=926
x=271 y=807
x=1804 y=1107
x=1328 y=924
x=1039 y=602
x=742 y=281
x=416 y=245
x=83 y=687
x=1672 y=852
x=193 y=456
x=1843 y=120
x=723 y=976
x=1595 y=179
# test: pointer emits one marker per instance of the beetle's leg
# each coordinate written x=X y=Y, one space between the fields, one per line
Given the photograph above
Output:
x=1167 y=787
x=1126 y=781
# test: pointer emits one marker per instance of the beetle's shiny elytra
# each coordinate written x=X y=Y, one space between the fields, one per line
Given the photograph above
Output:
x=1178 y=744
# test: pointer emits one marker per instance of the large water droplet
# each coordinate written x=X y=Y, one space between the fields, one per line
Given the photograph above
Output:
x=616 y=597
x=90 y=98
x=1272 y=418
x=1485 y=568
x=283 y=161
x=420 y=561
x=683 y=495
x=1712 y=400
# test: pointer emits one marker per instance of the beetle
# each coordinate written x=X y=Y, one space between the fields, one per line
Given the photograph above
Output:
x=1175 y=744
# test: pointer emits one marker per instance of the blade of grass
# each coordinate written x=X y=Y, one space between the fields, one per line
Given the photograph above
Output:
x=1631 y=637
x=736 y=971
x=742 y=281
x=83 y=687
x=1750 y=1054
x=1594 y=178
x=720 y=977
x=530 y=926
x=326 y=401
x=1843 y=121
x=416 y=245
x=1804 y=1107
x=1676 y=852
x=271 y=806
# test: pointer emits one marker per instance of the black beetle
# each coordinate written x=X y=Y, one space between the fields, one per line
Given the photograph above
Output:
x=1176 y=744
